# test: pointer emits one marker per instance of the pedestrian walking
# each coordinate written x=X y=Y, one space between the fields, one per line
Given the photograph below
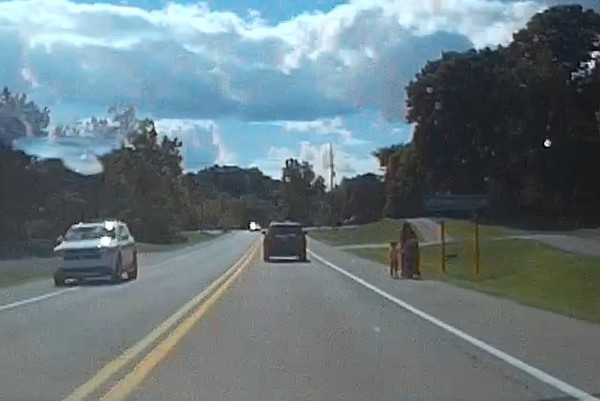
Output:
x=409 y=252
x=411 y=255
x=404 y=234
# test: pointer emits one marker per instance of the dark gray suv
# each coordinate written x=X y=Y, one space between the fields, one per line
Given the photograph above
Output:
x=285 y=238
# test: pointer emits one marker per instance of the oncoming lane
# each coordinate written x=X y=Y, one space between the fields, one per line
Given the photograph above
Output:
x=152 y=263
x=298 y=331
x=51 y=347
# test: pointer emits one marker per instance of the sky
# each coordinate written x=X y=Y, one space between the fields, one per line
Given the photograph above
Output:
x=250 y=83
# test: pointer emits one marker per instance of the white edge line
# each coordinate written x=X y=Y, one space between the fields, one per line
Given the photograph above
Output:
x=515 y=362
x=35 y=299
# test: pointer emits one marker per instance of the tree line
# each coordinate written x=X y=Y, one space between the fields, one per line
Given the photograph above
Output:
x=518 y=122
x=142 y=182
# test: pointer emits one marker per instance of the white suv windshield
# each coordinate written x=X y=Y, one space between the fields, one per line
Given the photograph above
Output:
x=92 y=232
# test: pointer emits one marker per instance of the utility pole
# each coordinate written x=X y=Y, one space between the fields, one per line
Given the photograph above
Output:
x=331 y=167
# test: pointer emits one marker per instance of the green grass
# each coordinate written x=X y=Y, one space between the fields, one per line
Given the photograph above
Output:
x=373 y=233
x=40 y=248
x=18 y=271
x=15 y=277
x=525 y=271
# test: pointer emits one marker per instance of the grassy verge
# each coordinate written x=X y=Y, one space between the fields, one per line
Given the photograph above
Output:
x=381 y=231
x=15 y=277
x=41 y=248
x=17 y=271
x=525 y=271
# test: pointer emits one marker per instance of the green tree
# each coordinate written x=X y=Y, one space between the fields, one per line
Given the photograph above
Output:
x=144 y=185
x=303 y=193
x=403 y=181
x=492 y=133
x=20 y=117
x=361 y=198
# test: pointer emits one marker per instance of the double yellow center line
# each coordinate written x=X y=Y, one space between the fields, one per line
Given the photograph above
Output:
x=171 y=333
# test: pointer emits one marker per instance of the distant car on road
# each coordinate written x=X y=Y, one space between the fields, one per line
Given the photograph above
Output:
x=285 y=238
x=350 y=221
x=104 y=249
x=254 y=226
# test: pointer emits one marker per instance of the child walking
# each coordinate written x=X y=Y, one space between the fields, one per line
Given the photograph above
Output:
x=394 y=259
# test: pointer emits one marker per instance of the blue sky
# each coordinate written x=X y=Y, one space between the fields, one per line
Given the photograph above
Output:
x=242 y=82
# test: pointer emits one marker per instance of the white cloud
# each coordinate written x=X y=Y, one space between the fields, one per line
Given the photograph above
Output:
x=202 y=146
x=202 y=142
x=352 y=141
x=79 y=154
x=224 y=156
x=186 y=61
x=325 y=126
x=346 y=163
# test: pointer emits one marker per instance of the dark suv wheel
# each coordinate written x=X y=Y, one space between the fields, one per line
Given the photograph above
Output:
x=133 y=273
x=59 y=279
x=117 y=275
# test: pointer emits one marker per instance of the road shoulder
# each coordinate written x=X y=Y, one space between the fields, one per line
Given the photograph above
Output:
x=560 y=345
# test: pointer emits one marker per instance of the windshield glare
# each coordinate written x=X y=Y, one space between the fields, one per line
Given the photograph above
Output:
x=83 y=233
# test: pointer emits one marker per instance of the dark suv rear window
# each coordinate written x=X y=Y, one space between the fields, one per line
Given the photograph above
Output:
x=285 y=229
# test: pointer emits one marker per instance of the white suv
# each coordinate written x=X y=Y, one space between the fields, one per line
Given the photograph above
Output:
x=104 y=249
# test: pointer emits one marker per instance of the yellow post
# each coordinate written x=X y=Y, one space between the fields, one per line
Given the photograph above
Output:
x=443 y=240
x=476 y=246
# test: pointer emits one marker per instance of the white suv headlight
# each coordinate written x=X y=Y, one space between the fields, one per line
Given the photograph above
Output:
x=105 y=241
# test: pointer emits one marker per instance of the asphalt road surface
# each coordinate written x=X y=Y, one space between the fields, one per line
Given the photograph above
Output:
x=51 y=346
x=300 y=331
x=270 y=332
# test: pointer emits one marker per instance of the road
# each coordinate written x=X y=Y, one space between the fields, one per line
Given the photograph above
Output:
x=565 y=242
x=272 y=331
x=50 y=347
